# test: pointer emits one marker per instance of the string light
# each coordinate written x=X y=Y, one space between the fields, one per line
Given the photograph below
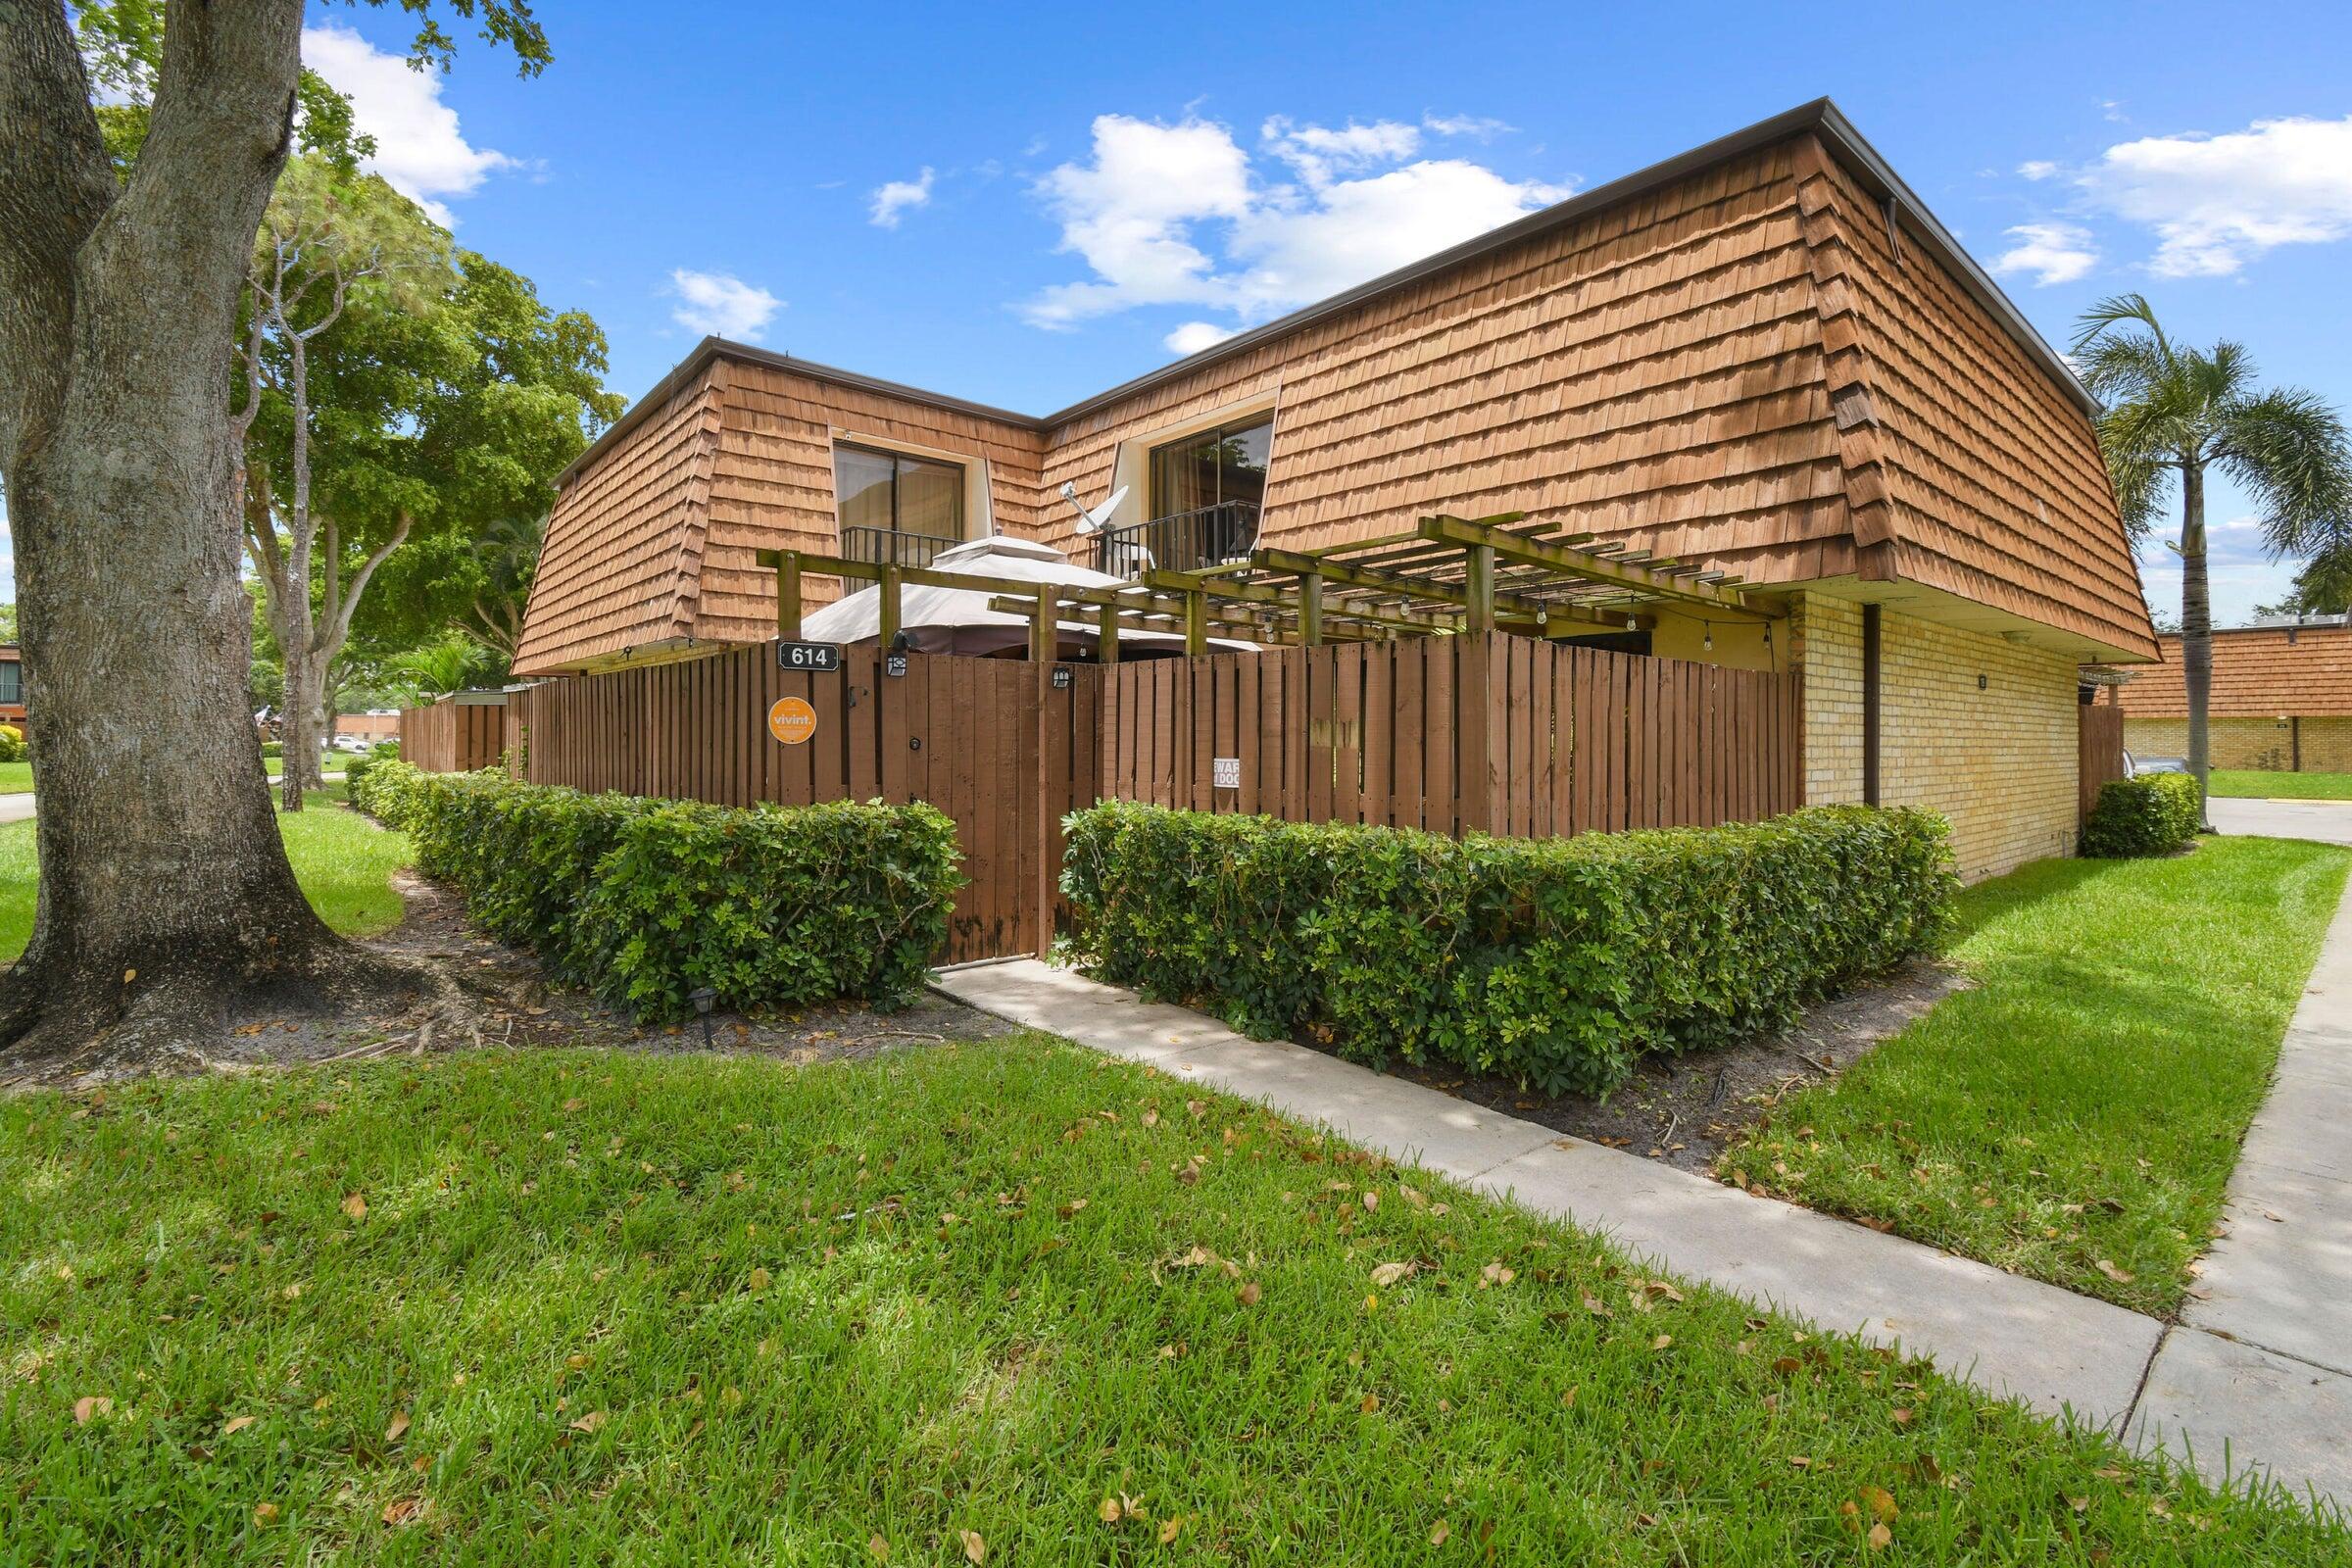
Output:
x=1708 y=641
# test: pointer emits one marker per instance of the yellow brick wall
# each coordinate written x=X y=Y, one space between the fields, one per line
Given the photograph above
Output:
x=1999 y=760
x=2261 y=744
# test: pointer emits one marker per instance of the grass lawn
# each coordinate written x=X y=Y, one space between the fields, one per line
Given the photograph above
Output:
x=15 y=778
x=2282 y=786
x=575 y=1308
x=2077 y=1116
x=343 y=861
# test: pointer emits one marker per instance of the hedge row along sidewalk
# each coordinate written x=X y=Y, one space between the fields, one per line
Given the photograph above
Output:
x=1556 y=961
x=644 y=901
x=598 y=1307
x=2077 y=1116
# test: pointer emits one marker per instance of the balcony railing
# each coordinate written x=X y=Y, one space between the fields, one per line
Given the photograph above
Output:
x=1186 y=541
x=892 y=546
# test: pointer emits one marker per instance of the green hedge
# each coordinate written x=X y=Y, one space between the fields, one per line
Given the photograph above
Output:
x=2155 y=814
x=644 y=901
x=356 y=769
x=1554 y=961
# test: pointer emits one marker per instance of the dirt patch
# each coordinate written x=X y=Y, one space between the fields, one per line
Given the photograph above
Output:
x=520 y=1009
x=1684 y=1110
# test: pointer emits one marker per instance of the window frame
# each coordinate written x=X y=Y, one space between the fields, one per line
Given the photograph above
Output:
x=963 y=479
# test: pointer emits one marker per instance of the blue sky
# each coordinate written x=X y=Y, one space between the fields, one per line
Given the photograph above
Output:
x=1024 y=206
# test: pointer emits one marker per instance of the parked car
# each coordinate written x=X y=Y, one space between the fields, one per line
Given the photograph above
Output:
x=2134 y=766
x=355 y=745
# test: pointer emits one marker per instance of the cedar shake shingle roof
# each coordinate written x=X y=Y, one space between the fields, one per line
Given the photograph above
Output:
x=1727 y=359
x=2258 y=672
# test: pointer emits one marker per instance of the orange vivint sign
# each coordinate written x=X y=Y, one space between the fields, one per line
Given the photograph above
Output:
x=792 y=720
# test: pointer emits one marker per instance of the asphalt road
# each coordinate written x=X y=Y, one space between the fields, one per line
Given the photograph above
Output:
x=2328 y=821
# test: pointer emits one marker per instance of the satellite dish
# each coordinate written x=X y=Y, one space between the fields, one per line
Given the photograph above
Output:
x=1094 y=521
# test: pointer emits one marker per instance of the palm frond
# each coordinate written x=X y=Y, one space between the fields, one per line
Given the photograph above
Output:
x=2290 y=449
x=2114 y=310
x=2122 y=366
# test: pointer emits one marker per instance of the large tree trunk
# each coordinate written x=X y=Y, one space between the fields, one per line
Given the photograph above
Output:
x=2197 y=625
x=165 y=890
x=306 y=696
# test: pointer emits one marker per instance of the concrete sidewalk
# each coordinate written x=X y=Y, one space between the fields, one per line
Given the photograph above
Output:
x=2258 y=1375
x=2328 y=821
x=2264 y=1359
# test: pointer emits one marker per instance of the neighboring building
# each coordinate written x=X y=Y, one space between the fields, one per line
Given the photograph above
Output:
x=1764 y=356
x=371 y=727
x=2280 y=702
x=12 y=685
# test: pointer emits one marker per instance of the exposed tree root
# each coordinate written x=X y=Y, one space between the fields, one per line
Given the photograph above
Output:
x=78 y=1029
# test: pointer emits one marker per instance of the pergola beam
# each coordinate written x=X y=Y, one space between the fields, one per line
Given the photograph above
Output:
x=1586 y=564
x=1521 y=610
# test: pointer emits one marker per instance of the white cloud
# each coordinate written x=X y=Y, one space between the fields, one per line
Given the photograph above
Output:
x=2037 y=169
x=419 y=149
x=1477 y=126
x=2054 y=253
x=1179 y=215
x=2218 y=202
x=722 y=304
x=1194 y=336
x=895 y=198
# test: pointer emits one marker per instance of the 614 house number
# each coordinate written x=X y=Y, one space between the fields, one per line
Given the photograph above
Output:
x=822 y=658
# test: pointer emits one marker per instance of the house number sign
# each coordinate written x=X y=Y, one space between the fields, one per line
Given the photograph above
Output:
x=822 y=657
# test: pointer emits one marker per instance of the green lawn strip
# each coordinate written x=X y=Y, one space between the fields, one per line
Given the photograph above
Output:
x=15 y=778
x=2242 y=784
x=567 y=1308
x=343 y=861
x=2085 y=1105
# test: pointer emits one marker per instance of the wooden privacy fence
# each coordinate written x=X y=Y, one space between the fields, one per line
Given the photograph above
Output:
x=455 y=735
x=2098 y=752
x=1498 y=733
x=965 y=734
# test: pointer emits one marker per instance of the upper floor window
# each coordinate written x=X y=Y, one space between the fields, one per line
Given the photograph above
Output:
x=12 y=682
x=1221 y=468
x=897 y=493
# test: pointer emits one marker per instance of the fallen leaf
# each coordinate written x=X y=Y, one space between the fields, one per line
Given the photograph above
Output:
x=974 y=1548
x=1436 y=1537
x=237 y=1423
x=1880 y=1537
x=2120 y=1276
x=1249 y=1294
x=877 y=1547
x=398 y=1429
x=1661 y=1341
x=1802 y=1461
x=356 y=1207
x=128 y=975
x=574 y=1103
x=1170 y=1527
x=591 y=1422
x=1371 y=1200
x=265 y=1513
x=1414 y=1197
x=1881 y=1502
x=1389 y=1274
x=1901 y=1415
x=90 y=1407
x=1495 y=1273
x=1371 y=1403
x=759 y=1279
x=399 y=1511
x=1568 y=1399
x=1198 y=1108
x=1108 y=1511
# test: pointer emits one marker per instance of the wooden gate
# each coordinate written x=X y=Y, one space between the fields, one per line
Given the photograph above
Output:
x=454 y=736
x=963 y=734
x=2098 y=752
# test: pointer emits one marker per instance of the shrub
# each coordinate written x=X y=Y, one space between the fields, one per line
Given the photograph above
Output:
x=2155 y=814
x=11 y=744
x=644 y=901
x=273 y=748
x=357 y=767
x=1556 y=961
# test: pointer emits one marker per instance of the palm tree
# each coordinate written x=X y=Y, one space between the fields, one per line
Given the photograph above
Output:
x=2169 y=413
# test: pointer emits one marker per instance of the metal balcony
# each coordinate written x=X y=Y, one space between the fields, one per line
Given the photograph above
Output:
x=892 y=546
x=1185 y=541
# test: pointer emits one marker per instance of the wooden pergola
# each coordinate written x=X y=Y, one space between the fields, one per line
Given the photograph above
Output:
x=1446 y=576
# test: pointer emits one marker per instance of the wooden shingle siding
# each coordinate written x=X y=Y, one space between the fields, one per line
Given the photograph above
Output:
x=1991 y=476
x=610 y=575
x=1734 y=367
x=773 y=485
x=2258 y=672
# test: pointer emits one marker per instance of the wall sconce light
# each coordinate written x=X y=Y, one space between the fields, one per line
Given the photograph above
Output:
x=1980 y=682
